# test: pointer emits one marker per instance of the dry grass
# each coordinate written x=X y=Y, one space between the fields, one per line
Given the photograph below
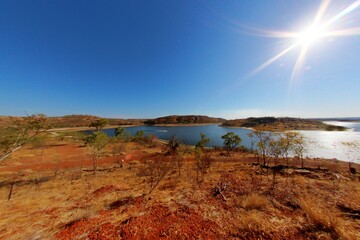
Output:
x=300 y=207
x=255 y=201
x=326 y=221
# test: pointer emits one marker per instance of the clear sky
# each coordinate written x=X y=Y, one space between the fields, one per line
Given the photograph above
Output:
x=144 y=59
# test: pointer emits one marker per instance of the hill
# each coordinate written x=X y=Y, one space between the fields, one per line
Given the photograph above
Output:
x=282 y=124
x=76 y=120
x=186 y=119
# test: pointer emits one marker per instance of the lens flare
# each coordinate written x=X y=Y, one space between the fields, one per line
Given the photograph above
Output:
x=310 y=36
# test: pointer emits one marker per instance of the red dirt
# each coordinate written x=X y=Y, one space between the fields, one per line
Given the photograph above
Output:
x=59 y=157
x=158 y=222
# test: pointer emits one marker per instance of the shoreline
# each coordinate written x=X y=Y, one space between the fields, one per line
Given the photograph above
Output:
x=71 y=129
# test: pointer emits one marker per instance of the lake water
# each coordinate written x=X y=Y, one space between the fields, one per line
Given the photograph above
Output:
x=327 y=144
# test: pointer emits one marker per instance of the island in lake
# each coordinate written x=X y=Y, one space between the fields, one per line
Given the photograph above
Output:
x=184 y=119
x=282 y=124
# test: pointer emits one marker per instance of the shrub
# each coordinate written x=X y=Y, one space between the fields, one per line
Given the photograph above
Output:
x=156 y=171
x=202 y=164
x=231 y=141
x=255 y=201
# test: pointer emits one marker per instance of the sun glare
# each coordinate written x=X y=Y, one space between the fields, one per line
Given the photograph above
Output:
x=311 y=35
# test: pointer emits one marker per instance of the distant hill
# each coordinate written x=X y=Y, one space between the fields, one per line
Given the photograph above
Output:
x=186 y=119
x=75 y=121
x=342 y=119
x=85 y=120
x=282 y=124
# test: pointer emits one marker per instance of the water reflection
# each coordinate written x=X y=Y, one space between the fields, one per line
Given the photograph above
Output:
x=321 y=143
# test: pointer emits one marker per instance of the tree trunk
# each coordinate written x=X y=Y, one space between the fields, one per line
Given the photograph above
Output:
x=3 y=157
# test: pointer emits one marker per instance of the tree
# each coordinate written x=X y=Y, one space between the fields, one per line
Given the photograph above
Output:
x=139 y=135
x=119 y=132
x=263 y=144
x=97 y=142
x=275 y=149
x=203 y=141
x=22 y=131
x=299 y=146
x=231 y=141
x=117 y=151
x=202 y=163
x=99 y=124
x=173 y=145
x=287 y=141
x=157 y=170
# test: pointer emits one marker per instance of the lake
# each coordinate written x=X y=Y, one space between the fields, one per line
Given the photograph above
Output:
x=326 y=144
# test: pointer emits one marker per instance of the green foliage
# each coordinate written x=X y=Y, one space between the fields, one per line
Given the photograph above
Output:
x=119 y=132
x=279 y=146
x=99 y=124
x=97 y=141
x=202 y=163
x=263 y=140
x=38 y=141
x=22 y=131
x=300 y=147
x=140 y=134
x=231 y=141
x=75 y=136
x=203 y=141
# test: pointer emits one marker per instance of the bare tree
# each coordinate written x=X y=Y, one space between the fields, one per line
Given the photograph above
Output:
x=157 y=170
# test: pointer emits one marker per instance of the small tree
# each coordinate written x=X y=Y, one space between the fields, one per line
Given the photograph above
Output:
x=118 y=151
x=263 y=144
x=275 y=149
x=173 y=145
x=179 y=162
x=99 y=124
x=139 y=135
x=231 y=141
x=157 y=170
x=22 y=131
x=119 y=132
x=287 y=141
x=97 y=142
x=203 y=141
x=202 y=163
x=299 y=146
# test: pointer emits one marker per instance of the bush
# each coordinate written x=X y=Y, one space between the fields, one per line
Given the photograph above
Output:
x=255 y=201
x=156 y=171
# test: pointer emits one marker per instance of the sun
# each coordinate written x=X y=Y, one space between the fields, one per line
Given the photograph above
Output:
x=311 y=35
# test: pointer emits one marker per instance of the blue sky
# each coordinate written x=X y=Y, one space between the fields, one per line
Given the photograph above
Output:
x=144 y=59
